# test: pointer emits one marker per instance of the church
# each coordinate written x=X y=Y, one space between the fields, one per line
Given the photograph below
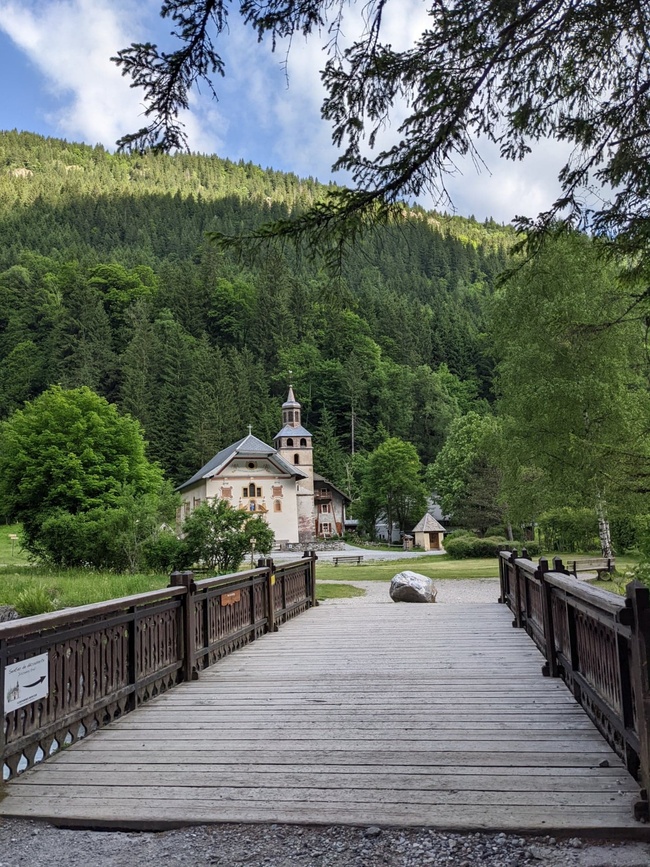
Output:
x=278 y=483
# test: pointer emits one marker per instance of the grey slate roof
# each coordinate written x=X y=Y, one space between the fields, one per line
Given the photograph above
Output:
x=428 y=524
x=248 y=447
x=319 y=478
x=288 y=431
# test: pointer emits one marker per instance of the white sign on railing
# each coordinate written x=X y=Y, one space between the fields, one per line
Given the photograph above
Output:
x=26 y=681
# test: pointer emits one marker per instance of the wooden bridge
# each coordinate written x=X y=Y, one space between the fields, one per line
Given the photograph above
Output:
x=412 y=715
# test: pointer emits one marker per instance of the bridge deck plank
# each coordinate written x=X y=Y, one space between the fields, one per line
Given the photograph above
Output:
x=433 y=715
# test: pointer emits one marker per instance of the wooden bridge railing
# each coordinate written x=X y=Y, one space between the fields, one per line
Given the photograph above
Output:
x=598 y=643
x=102 y=661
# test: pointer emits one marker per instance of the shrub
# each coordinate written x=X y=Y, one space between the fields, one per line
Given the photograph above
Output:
x=498 y=530
x=164 y=553
x=459 y=534
x=34 y=600
x=533 y=548
x=459 y=547
x=466 y=546
x=567 y=529
x=639 y=573
x=462 y=547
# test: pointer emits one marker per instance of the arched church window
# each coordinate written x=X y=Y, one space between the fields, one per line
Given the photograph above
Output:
x=251 y=489
x=296 y=459
x=303 y=442
x=277 y=506
x=290 y=415
x=290 y=442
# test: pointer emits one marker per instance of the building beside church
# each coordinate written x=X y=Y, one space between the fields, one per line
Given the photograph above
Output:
x=277 y=482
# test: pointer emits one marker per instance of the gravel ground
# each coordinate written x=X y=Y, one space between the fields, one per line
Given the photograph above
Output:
x=368 y=554
x=30 y=844
x=450 y=590
x=27 y=844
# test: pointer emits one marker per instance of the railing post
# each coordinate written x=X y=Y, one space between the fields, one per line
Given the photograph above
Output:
x=3 y=742
x=574 y=654
x=270 y=584
x=515 y=575
x=133 y=657
x=639 y=601
x=270 y=565
x=558 y=566
x=283 y=587
x=186 y=579
x=550 y=667
x=310 y=582
x=503 y=590
x=314 y=558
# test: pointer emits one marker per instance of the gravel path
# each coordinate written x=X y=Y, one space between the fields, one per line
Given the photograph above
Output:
x=27 y=844
x=30 y=844
x=450 y=590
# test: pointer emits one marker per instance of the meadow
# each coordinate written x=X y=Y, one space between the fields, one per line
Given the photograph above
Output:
x=33 y=588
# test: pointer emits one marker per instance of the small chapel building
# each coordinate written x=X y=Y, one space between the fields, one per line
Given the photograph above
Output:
x=429 y=534
x=276 y=482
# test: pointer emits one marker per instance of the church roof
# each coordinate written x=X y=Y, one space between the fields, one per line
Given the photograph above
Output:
x=288 y=431
x=291 y=400
x=248 y=447
x=319 y=478
x=428 y=524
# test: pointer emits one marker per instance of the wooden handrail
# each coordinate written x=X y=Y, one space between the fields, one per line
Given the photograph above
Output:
x=598 y=643
x=601 y=599
x=67 y=616
x=105 y=659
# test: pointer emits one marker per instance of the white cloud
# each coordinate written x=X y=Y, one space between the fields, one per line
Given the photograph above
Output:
x=281 y=115
x=71 y=42
x=263 y=114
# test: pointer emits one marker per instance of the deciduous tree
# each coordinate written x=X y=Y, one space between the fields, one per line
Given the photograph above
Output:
x=392 y=486
x=463 y=477
x=74 y=472
x=574 y=398
x=219 y=536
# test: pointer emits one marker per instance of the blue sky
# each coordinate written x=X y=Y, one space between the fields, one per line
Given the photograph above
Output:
x=58 y=81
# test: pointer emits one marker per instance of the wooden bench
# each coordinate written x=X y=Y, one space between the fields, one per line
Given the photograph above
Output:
x=350 y=558
x=601 y=565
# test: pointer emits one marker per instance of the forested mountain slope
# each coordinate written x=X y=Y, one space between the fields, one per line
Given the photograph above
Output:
x=106 y=280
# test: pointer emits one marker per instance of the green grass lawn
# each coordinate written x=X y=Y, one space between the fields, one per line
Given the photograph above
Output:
x=438 y=566
x=337 y=591
x=10 y=550
x=70 y=587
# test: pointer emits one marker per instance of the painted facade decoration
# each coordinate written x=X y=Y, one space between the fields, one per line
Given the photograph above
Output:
x=277 y=482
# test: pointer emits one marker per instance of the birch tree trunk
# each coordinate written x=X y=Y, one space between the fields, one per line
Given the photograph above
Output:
x=603 y=528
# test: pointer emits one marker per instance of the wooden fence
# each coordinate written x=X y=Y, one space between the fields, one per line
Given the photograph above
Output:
x=598 y=643
x=105 y=660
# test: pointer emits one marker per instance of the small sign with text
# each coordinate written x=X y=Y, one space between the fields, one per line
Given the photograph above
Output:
x=26 y=681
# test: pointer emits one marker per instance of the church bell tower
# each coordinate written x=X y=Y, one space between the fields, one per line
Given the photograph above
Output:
x=294 y=444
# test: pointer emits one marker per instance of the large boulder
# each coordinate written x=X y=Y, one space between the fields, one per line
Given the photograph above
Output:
x=410 y=586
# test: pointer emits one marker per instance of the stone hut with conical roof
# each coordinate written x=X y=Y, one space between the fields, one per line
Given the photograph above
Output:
x=429 y=534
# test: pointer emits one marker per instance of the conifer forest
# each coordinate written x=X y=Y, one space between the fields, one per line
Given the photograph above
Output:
x=107 y=280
